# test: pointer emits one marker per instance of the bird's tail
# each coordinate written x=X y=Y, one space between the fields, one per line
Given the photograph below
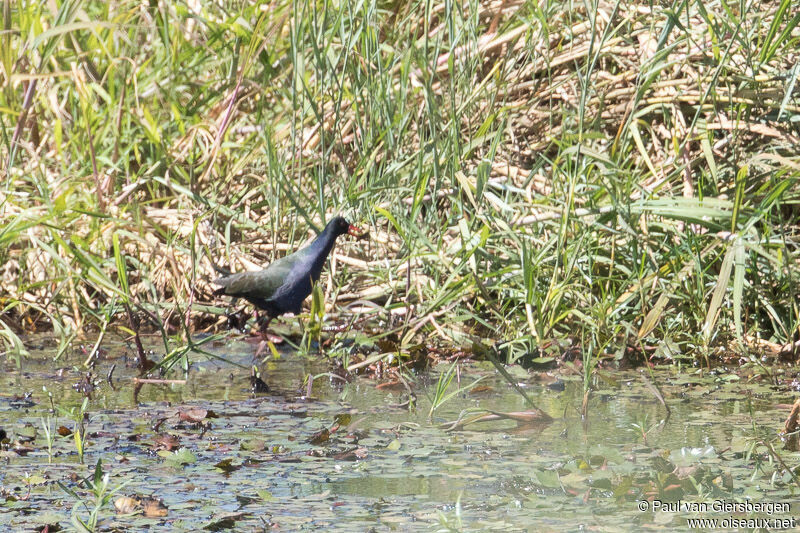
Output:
x=219 y=292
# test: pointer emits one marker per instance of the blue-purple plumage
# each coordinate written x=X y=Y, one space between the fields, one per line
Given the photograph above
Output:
x=282 y=286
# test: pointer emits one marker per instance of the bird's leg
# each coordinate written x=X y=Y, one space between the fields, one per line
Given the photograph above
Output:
x=264 y=324
x=266 y=337
x=262 y=330
x=261 y=321
x=275 y=339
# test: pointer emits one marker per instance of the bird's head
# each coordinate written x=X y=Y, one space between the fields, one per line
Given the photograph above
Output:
x=342 y=226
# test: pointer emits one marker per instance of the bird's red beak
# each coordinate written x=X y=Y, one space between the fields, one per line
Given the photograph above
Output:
x=355 y=232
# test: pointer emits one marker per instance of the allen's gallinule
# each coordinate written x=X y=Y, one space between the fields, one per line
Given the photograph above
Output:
x=284 y=284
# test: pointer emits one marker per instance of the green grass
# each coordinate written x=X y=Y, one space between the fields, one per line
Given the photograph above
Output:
x=605 y=174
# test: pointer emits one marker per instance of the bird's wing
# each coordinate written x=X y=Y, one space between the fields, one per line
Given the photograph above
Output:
x=259 y=283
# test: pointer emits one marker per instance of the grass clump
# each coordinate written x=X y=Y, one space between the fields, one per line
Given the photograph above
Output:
x=528 y=171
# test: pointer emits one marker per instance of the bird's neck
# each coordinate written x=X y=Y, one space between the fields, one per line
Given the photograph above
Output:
x=320 y=248
x=324 y=242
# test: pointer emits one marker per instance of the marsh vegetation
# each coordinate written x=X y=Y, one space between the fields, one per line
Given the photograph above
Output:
x=569 y=189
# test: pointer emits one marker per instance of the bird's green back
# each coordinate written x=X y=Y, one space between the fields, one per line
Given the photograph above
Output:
x=263 y=283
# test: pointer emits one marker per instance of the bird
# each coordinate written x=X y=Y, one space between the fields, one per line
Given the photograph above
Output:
x=284 y=284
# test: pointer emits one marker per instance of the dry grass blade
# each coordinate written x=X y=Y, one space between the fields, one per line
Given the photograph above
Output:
x=606 y=142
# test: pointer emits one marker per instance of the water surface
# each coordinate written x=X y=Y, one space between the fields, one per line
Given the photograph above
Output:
x=258 y=463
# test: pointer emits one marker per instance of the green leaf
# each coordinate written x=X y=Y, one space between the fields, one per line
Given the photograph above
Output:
x=122 y=270
x=394 y=445
x=179 y=457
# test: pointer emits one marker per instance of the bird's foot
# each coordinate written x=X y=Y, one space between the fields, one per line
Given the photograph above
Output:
x=266 y=340
x=266 y=336
x=262 y=347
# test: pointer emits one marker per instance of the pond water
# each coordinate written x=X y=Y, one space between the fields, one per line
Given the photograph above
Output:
x=219 y=457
